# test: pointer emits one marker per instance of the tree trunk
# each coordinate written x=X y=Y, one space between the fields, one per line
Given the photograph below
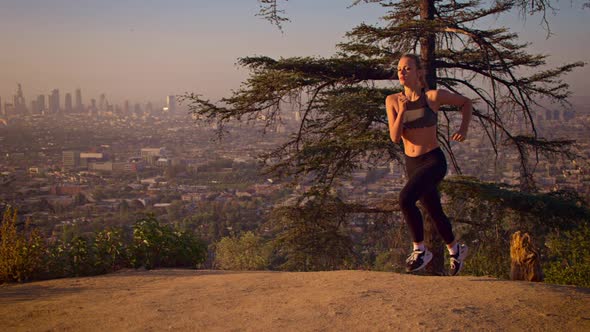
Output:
x=434 y=243
x=427 y=46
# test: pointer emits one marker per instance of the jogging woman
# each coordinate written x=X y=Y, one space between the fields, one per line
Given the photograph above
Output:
x=412 y=117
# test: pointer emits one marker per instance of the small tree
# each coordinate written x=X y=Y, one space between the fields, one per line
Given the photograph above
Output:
x=246 y=252
x=156 y=245
x=310 y=235
x=21 y=253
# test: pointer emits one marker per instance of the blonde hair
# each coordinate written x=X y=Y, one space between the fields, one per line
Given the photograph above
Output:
x=421 y=74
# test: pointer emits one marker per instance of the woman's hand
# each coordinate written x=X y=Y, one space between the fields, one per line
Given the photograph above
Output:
x=402 y=103
x=460 y=135
x=444 y=97
x=395 y=113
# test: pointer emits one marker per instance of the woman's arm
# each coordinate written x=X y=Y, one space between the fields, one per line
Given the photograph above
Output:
x=394 y=118
x=444 y=97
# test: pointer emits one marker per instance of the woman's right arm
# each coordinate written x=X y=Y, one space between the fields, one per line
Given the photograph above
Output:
x=394 y=118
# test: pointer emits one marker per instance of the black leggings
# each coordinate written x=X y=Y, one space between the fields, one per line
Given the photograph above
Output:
x=425 y=172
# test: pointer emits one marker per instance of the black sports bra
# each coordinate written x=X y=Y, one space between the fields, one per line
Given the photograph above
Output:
x=418 y=114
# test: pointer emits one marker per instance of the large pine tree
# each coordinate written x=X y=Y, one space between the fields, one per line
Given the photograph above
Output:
x=341 y=98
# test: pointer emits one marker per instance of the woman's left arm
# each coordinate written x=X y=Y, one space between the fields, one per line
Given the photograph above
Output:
x=444 y=97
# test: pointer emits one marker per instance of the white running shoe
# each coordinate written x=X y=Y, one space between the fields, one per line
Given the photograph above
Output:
x=458 y=260
x=418 y=260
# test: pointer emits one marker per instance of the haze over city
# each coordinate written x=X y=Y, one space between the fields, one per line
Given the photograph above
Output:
x=145 y=50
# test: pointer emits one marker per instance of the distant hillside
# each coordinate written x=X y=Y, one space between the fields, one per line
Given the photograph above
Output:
x=337 y=300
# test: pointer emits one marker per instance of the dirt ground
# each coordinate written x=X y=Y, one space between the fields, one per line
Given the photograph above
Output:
x=204 y=300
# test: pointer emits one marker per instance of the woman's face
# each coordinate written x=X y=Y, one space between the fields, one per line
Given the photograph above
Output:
x=407 y=72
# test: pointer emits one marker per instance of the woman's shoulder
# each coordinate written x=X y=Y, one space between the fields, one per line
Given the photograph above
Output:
x=433 y=98
x=435 y=93
x=392 y=97
x=432 y=93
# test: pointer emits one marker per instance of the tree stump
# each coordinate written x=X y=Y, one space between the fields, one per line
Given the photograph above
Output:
x=525 y=260
x=435 y=244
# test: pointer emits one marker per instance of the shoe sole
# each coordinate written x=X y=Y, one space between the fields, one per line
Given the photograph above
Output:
x=427 y=259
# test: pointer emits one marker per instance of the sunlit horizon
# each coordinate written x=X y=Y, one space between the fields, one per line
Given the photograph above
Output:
x=142 y=52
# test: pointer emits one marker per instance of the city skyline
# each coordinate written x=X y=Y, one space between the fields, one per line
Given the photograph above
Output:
x=57 y=102
x=144 y=51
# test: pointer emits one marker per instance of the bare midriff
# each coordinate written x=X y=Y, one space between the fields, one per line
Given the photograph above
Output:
x=419 y=141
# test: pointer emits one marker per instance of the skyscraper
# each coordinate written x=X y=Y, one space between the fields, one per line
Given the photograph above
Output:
x=93 y=109
x=171 y=104
x=137 y=111
x=103 y=104
x=19 y=101
x=149 y=108
x=79 y=106
x=41 y=107
x=34 y=107
x=54 y=101
x=68 y=103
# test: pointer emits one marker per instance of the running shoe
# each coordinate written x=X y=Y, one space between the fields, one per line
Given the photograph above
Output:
x=418 y=260
x=458 y=260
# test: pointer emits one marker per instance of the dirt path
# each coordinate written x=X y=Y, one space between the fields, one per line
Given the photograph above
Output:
x=254 y=301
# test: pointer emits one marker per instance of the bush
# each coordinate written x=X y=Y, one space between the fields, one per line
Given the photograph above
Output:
x=189 y=250
x=57 y=261
x=569 y=255
x=488 y=257
x=110 y=250
x=312 y=235
x=80 y=257
x=21 y=254
x=156 y=245
x=390 y=261
x=24 y=255
x=247 y=252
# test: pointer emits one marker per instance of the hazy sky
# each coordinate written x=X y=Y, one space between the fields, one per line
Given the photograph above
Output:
x=142 y=50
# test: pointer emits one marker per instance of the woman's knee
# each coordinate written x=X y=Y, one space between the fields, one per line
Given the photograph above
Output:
x=406 y=201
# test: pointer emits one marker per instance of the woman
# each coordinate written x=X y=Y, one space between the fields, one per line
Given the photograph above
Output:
x=412 y=116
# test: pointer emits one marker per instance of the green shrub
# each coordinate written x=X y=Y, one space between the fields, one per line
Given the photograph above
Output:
x=81 y=256
x=70 y=258
x=488 y=257
x=25 y=255
x=569 y=255
x=247 y=252
x=312 y=235
x=392 y=260
x=188 y=250
x=156 y=245
x=57 y=257
x=110 y=250
x=21 y=254
x=150 y=243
